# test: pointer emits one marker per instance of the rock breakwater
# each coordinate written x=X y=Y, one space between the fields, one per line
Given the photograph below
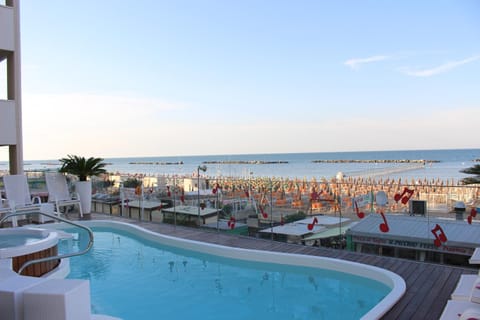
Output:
x=374 y=161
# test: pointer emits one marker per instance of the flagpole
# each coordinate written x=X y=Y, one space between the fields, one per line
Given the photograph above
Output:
x=271 y=205
x=216 y=204
x=174 y=202
x=339 y=203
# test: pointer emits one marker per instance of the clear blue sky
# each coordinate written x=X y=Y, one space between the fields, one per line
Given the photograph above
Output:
x=151 y=78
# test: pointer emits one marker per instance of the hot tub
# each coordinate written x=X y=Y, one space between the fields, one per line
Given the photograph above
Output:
x=25 y=244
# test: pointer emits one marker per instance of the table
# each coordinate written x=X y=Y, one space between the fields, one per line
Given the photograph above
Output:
x=187 y=212
x=148 y=205
x=109 y=202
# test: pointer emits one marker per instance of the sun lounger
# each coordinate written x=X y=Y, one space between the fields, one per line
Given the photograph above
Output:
x=475 y=293
x=464 y=288
x=18 y=195
x=465 y=303
x=58 y=192
x=461 y=310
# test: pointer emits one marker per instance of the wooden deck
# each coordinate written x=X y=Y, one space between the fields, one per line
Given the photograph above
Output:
x=429 y=286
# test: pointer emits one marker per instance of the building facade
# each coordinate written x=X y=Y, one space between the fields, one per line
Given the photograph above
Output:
x=449 y=241
x=10 y=84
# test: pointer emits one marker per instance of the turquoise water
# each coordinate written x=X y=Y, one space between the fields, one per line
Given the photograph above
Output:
x=15 y=240
x=136 y=279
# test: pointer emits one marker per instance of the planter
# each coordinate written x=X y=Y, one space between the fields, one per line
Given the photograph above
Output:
x=84 y=189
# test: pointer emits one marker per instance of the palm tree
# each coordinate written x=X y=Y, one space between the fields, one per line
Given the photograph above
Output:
x=81 y=167
x=472 y=170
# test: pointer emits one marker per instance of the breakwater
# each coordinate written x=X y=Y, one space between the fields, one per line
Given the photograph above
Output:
x=157 y=163
x=387 y=171
x=245 y=162
x=375 y=161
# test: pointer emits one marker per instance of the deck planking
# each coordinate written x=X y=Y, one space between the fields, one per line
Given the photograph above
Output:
x=428 y=286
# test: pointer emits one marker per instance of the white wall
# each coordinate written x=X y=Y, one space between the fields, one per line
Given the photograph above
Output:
x=7 y=123
x=7 y=36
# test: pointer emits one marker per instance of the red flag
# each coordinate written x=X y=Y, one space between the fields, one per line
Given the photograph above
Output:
x=215 y=189
x=182 y=196
x=264 y=214
x=231 y=222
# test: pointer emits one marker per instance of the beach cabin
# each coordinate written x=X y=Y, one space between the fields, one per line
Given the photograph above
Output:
x=10 y=102
x=308 y=231
x=419 y=238
x=191 y=184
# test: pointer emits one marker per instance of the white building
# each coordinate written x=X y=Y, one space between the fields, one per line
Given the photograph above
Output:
x=10 y=89
x=191 y=184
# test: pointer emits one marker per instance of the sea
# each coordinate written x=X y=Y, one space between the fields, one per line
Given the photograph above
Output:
x=442 y=165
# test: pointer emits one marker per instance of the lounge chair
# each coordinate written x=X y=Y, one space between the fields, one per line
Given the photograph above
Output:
x=461 y=310
x=18 y=196
x=58 y=192
x=465 y=303
x=464 y=288
x=4 y=209
x=475 y=293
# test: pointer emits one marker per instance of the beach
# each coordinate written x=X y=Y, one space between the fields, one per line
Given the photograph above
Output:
x=288 y=180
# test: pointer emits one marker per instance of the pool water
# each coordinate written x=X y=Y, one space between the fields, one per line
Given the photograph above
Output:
x=15 y=240
x=133 y=278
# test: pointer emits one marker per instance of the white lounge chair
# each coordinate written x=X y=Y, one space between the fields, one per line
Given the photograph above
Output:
x=18 y=195
x=4 y=209
x=464 y=288
x=475 y=293
x=465 y=303
x=461 y=310
x=58 y=192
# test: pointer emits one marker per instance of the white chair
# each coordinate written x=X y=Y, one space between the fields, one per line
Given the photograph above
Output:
x=461 y=310
x=4 y=209
x=464 y=289
x=18 y=195
x=58 y=192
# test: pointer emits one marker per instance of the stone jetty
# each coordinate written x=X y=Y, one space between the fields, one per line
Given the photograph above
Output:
x=157 y=163
x=374 y=161
x=245 y=162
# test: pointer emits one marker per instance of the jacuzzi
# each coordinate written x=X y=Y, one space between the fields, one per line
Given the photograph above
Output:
x=24 y=244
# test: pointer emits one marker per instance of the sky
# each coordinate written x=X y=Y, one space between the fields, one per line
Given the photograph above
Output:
x=197 y=77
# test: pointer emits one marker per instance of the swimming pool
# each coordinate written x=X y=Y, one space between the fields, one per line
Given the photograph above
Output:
x=133 y=277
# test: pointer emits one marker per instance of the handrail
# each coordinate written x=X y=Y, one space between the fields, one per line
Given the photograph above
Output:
x=61 y=256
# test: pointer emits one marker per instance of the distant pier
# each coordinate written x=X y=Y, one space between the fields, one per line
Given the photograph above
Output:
x=386 y=171
x=375 y=161
x=157 y=163
x=245 y=162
